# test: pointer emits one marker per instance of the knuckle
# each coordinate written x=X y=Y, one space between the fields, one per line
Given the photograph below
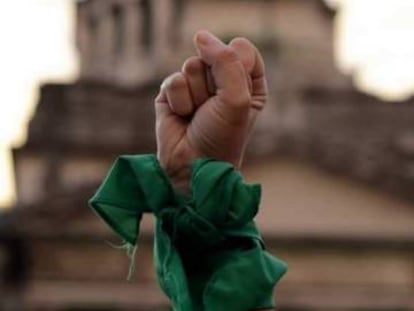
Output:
x=228 y=54
x=193 y=65
x=241 y=42
x=175 y=81
x=240 y=99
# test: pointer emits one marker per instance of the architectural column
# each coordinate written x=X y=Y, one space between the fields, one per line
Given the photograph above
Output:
x=104 y=45
x=130 y=70
x=162 y=11
x=82 y=37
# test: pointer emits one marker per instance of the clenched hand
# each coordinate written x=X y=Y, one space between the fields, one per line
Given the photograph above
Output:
x=209 y=108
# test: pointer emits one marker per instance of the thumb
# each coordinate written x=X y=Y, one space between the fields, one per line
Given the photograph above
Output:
x=208 y=46
x=229 y=75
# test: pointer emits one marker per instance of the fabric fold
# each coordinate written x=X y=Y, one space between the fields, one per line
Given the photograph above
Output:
x=208 y=254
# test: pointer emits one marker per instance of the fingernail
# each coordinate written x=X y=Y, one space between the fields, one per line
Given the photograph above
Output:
x=164 y=83
x=204 y=37
x=158 y=98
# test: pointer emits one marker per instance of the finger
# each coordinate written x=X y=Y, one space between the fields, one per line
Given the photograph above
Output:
x=178 y=94
x=162 y=108
x=208 y=46
x=196 y=73
x=232 y=88
x=211 y=85
x=253 y=62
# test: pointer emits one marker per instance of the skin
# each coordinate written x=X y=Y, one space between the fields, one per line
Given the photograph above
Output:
x=209 y=108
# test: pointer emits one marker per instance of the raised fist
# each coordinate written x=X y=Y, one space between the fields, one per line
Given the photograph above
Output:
x=209 y=108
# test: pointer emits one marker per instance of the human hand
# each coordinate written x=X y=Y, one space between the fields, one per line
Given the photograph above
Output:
x=209 y=108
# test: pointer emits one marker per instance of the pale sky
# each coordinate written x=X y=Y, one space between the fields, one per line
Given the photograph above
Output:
x=374 y=43
x=36 y=45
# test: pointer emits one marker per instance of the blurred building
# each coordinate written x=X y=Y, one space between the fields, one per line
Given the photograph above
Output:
x=349 y=241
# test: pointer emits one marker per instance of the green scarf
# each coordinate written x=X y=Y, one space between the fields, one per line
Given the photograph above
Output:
x=209 y=255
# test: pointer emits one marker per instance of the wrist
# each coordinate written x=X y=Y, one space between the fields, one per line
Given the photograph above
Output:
x=180 y=179
x=179 y=174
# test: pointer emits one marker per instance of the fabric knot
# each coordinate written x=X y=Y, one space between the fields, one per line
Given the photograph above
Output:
x=136 y=184
x=183 y=223
x=208 y=253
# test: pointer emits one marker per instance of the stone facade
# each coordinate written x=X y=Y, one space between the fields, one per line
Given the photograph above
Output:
x=102 y=115
x=344 y=251
x=77 y=131
x=126 y=42
x=359 y=136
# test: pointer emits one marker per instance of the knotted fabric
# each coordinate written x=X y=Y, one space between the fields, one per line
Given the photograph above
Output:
x=208 y=253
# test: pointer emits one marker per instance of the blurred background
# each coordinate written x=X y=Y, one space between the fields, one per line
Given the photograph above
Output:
x=334 y=148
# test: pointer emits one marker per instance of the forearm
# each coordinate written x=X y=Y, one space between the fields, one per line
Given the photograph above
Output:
x=200 y=131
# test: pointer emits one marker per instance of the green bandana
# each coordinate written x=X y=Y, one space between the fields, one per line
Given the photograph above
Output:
x=209 y=255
